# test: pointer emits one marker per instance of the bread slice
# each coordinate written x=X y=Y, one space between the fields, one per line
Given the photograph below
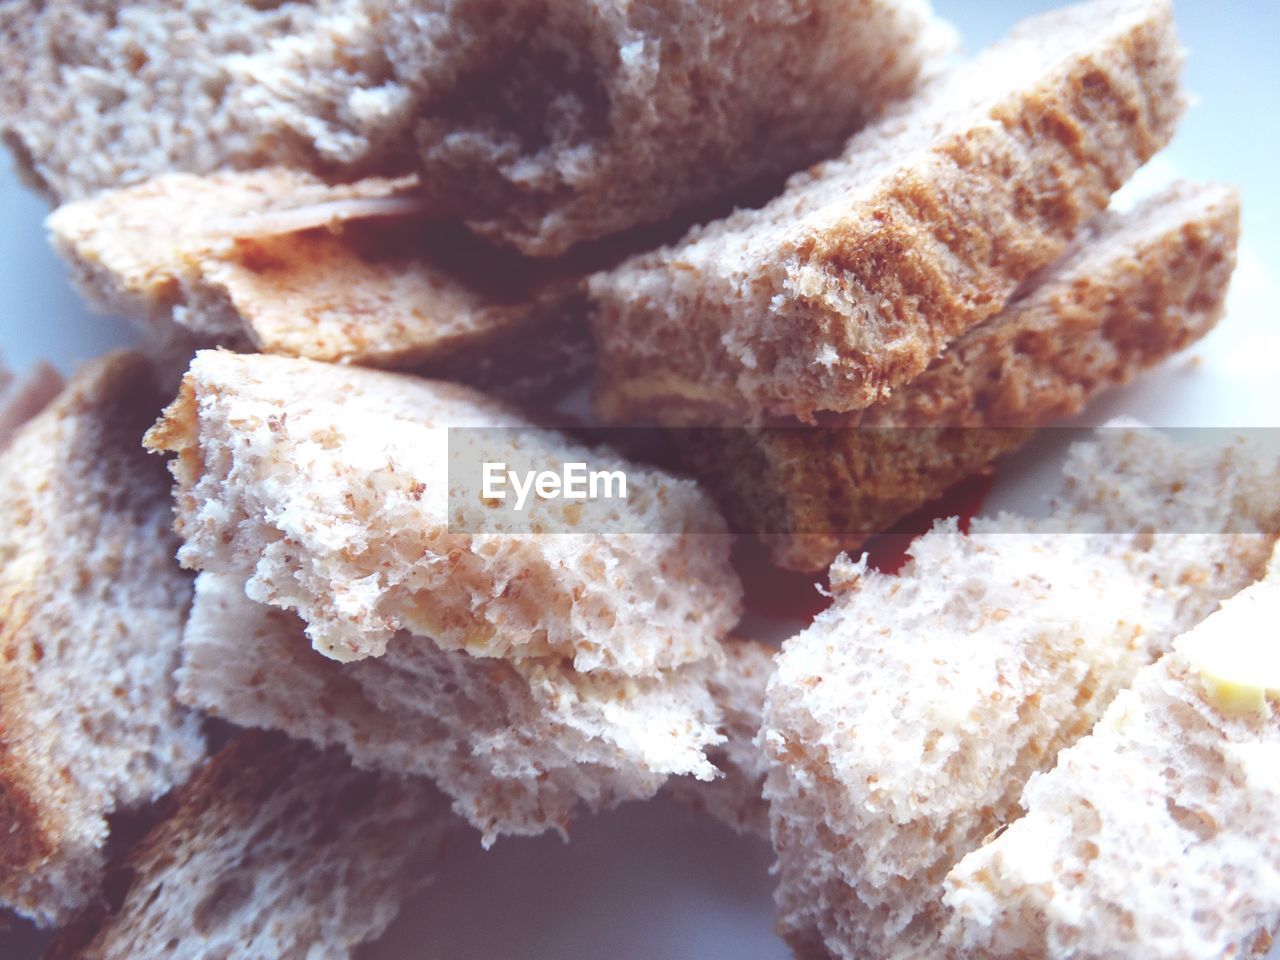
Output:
x=91 y=611
x=274 y=850
x=901 y=726
x=737 y=686
x=1155 y=835
x=21 y=398
x=327 y=490
x=278 y=261
x=579 y=119
x=542 y=124
x=856 y=277
x=519 y=746
x=233 y=256
x=98 y=95
x=1136 y=287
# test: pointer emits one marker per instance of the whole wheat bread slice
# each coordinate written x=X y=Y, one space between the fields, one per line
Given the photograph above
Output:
x=519 y=747
x=1134 y=288
x=91 y=610
x=1156 y=835
x=901 y=726
x=853 y=280
x=278 y=261
x=541 y=123
x=326 y=489
x=274 y=849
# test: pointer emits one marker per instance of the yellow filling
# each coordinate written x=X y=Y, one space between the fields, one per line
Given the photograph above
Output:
x=1236 y=651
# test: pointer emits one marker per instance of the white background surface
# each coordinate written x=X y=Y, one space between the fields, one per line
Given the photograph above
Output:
x=652 y=881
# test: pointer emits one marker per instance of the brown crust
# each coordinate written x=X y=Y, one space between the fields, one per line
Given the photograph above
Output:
x=384 y=297
x=176 y=431
x=1053 y=349
x=25 y=837
x=27 y=834
x=22 y=399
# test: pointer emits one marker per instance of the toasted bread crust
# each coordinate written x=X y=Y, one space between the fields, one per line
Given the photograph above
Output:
x=1137 y=287
x=23 y=398
x=27 y=838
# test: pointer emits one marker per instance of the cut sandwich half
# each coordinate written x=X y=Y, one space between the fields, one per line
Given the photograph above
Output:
x=335 y=492
x=1135 y=287
x=902 y=725
x=92 y=604
x=1156 y=834
x=529 y=668
x=853 y=280
x=274 y=849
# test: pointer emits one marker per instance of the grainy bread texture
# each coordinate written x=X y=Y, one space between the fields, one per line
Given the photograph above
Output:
x=21 y=398
x=99 y=94
x=579 y=118
x=519 y=746
x=901 y=727
x=326 y=489
x=1134 y=288
x=233 y=256
x=1156 y=835
x=278 y=261
x=275 y=849
x=853 y=280
x=91 y=610
x=541 y=123
x=737 y=686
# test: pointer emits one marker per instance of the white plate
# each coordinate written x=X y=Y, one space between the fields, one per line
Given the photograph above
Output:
x=652 y=880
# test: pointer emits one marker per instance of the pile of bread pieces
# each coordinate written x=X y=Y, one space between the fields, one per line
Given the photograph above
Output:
x=841 y=267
